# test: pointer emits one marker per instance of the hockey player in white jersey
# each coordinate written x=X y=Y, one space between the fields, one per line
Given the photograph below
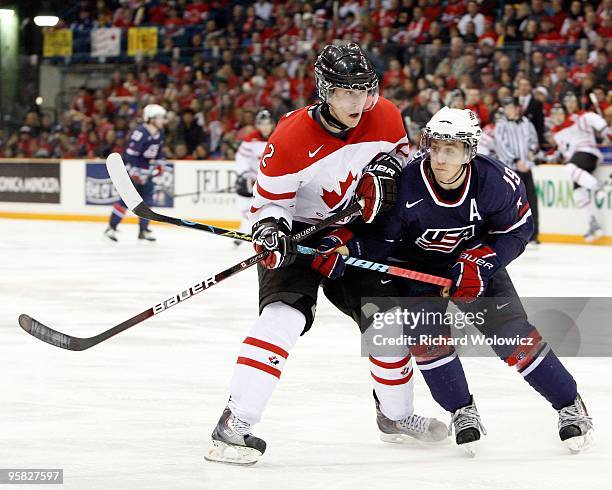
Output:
x=574 y=133
x=317 y=161
x=248 y=156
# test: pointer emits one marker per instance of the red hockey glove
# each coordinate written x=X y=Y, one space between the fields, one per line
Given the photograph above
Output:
x=273 y=235
x=471 y=273
x=378 y=186
x=329 y=262
x=137 y=174
x=158 y=168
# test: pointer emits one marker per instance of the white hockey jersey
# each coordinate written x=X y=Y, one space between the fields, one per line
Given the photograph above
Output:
x=307 y=175
x=249 y=153
x=577 y=133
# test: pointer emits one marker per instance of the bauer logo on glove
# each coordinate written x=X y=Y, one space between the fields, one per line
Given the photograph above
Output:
x=472 y=271
x=378 y=187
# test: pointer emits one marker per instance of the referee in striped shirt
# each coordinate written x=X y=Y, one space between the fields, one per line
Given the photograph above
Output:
x=516 y=143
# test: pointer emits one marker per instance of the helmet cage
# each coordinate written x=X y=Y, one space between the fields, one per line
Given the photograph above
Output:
x=326 y=80
x=469 y=139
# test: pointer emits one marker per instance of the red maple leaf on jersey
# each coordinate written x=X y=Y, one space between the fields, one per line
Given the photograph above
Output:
x=332 y=198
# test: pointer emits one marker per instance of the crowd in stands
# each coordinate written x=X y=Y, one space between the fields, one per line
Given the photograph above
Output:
x=219 y=62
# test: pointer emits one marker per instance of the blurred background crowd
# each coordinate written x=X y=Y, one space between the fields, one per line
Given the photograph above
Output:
x=219 y=62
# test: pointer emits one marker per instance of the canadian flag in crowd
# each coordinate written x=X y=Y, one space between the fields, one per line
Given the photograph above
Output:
x=106 y=41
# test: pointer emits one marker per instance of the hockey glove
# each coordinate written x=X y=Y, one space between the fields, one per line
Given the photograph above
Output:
x=378 y=186
x=472 y=271
x=328 y=261
x=273 y=235
x=138 y=175
x=244 y=184
x=158 y=168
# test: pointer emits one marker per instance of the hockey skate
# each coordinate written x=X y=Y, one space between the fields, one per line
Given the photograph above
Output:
x=233 y=443
x=146 y=235
x=575 y=426
x=468 y=427
x=594 y=232
x=111 y=234
x=414 y=427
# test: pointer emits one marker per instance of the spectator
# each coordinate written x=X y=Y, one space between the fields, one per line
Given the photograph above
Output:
x=531 y=108
x=189 y=131
x=561 y=84
x=474 y=103
x=418 y=113
x=263 y=9
x=473 y=15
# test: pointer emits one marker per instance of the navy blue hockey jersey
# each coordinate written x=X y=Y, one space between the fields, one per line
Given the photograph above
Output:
x=490 y=207
x=143 y=147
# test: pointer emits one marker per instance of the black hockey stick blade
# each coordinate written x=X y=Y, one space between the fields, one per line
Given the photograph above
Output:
x=69 y=342
x=50 y=336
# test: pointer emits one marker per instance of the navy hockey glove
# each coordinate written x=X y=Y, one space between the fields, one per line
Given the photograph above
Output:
x=472 y=271
x=274 y=235
x=378 y=186
x=329 y=262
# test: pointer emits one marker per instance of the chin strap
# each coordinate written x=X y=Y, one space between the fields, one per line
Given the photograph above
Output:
x=330 y=119
x=459 y=175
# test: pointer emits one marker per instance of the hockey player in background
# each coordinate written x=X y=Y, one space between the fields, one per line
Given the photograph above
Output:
x=575 y=133
x=249 y=153
x=316 y=162
x=143 y=159
x=466 y=216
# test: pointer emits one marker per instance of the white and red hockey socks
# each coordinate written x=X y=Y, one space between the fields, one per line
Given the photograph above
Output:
x=393 y=384
x=261 y=359
x=581 y=177
x=584 y=202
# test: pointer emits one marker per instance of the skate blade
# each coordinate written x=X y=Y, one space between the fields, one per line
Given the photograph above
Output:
x=580 y=443
x=406 y=439
x=220 y=452
x=470 y=448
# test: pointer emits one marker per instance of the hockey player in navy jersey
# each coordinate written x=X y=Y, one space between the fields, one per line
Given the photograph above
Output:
x=466 y=216
x=142 y=159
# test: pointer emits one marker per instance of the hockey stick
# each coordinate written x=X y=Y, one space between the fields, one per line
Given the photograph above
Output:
x=225 y=190
x=595 y=103
x=129 y=194
x=392 y=270
x=69 y=342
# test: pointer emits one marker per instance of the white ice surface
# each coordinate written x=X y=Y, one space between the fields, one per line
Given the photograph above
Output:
x=136 y=411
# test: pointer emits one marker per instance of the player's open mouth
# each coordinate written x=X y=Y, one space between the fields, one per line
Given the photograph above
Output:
x=354 y=115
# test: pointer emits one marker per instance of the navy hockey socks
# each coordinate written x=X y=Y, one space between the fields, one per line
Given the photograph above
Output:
x=447 y=383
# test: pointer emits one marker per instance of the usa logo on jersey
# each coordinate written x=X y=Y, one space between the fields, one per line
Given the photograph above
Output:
x=444 y=239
